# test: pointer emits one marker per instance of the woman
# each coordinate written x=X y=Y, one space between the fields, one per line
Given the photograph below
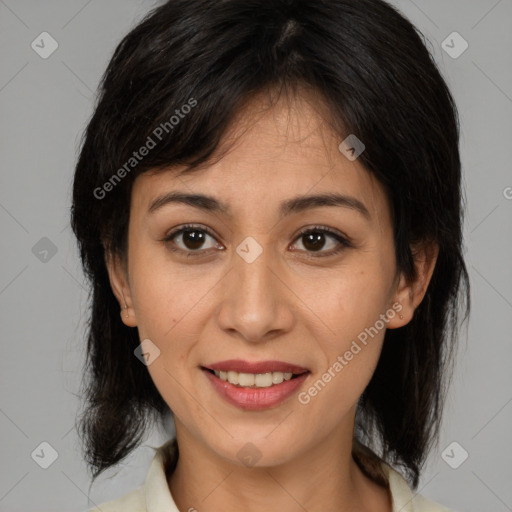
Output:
x=270 y=194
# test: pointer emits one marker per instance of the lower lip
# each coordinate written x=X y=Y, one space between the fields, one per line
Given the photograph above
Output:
x=255 y=399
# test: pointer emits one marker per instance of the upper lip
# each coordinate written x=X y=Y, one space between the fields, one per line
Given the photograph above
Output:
x=240 y=366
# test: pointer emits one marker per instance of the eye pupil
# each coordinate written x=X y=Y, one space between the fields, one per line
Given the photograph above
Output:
x=193 y=238
x=315 y=240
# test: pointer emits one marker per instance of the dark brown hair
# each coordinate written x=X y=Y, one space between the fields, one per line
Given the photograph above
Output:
x=371 y=68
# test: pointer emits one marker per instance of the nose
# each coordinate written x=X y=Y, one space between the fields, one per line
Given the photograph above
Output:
x=255 y=300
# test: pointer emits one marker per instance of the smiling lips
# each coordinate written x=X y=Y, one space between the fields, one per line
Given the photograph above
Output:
x=255 y=386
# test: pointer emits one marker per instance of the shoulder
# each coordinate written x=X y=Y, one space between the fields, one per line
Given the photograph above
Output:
x=131 y=502
x=154 y=494
x=404 y=499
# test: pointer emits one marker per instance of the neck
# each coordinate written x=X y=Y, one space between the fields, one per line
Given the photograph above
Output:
x=324 y=477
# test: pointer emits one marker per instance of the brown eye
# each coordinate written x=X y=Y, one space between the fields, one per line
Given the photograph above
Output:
x=315 y=239
x=192 y=241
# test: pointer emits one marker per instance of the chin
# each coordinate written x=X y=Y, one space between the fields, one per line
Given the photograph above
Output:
x=251 y=450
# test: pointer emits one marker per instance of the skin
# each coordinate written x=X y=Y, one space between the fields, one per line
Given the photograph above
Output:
x=288 y=305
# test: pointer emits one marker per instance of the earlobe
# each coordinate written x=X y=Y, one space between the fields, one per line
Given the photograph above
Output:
x=121 y=288
x=409 y=294
x=402 y=307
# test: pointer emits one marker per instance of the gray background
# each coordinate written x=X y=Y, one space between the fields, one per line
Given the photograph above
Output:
x=44 y=107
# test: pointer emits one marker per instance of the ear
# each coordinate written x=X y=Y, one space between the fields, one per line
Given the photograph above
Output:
x=118 y=276
x=409 y=294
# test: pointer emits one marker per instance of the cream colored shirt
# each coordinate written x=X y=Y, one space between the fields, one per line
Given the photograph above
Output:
x=155 y=496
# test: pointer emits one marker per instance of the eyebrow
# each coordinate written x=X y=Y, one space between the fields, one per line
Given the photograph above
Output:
x=293 y=205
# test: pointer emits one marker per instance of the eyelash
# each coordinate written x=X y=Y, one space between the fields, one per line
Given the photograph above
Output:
x=343 y=242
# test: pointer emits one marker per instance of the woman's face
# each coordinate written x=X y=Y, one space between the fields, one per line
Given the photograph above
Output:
x=256 y=290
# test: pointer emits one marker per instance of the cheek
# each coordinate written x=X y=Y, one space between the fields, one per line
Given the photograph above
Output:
x=350 y=361
x=352 y=332
x=352 y=299
x=164 y=306
x=164 y=293
x=169 y=302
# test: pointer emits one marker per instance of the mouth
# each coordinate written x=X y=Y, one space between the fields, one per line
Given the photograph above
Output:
x=259 y=386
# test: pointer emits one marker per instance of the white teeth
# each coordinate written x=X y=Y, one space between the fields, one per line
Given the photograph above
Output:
x=231 y=377
x=246 y=379
x=263 y=380
x=258 y=380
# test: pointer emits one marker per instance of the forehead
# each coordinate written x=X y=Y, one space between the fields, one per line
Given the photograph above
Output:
x=268 y=154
